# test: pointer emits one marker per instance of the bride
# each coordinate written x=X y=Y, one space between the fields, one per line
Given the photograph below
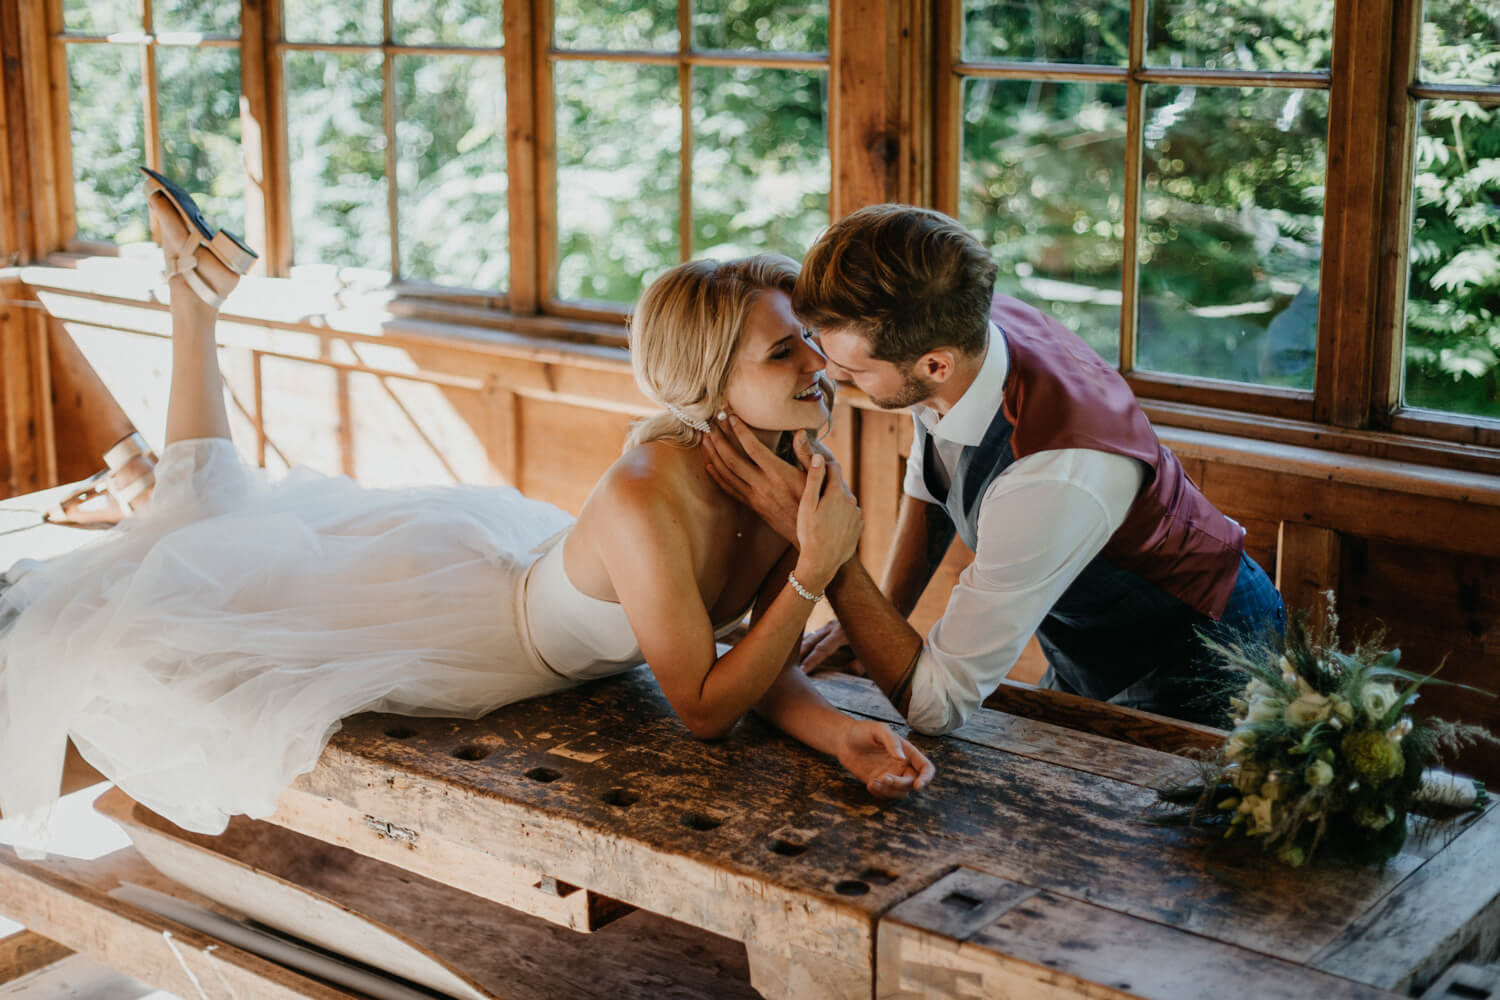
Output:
x=201 y=654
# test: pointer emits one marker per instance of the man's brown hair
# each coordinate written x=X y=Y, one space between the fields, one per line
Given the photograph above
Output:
x=910 y=279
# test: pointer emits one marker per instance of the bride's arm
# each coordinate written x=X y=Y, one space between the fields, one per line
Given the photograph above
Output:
x=887 y=764
x=647 y=554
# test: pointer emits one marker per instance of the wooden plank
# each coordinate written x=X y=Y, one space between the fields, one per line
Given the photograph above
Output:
x=69 y=903
x=881 y=471
x=24 y=952
x=1307 y=566
x=1463 y=981
x=972 y=934
x=505 y=953
x=1088 y=752
x=87 y=420
x=1127 y=725
x=1336 y=500
x=1449 y=906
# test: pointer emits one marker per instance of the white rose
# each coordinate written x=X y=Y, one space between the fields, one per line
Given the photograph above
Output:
x=1377 y=699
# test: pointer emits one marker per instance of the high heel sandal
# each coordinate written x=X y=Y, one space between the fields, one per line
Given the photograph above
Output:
x=227 y=247
x=106 y=497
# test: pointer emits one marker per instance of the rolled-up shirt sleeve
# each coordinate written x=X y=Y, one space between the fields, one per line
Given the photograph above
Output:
x=1040 y=524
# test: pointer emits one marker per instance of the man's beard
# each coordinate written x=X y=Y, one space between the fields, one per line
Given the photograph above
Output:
x=914 y=389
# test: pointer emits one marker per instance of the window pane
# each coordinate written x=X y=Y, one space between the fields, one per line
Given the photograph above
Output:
x=101 y=17
x=1231 y=232
x=345 y=21
x=775 y=25
x=109 y=141
x=1042 y=184
x=619 y=137
x=760 y=161
x=448 y=22
x=337 y=157
x=1453 y=298
x=1094 y=33
x=1290 y=35
x=200 y=129
x=637 y=24
x=450 y=170
x=212 y=17
x=1461 y=41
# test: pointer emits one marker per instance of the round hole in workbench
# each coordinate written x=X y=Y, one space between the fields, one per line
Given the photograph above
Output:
x=786 y=848
x=400 y=733
x=621 y=797
x=851 y=887
x=543 y=774
x=700 y=822
x=472 y=751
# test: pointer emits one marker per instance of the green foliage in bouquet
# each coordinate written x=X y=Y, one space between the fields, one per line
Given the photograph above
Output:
x=1324 y=752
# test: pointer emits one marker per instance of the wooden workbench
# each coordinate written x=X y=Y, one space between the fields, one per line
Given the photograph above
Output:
x=1027 y=868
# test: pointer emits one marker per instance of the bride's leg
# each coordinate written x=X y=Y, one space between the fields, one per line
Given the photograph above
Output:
x=195 y=406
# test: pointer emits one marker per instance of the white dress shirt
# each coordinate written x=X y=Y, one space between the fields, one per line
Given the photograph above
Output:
x=1041 y=521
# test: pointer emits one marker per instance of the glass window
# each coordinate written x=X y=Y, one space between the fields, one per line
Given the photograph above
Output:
x=189 y=101
x=663 y=155
x=1230 y=233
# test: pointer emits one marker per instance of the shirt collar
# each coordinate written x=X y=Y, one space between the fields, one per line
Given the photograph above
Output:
x=967 y=420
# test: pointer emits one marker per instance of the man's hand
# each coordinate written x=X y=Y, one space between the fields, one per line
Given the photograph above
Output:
x=889 y=766
x=752 y=473
x=828 y=649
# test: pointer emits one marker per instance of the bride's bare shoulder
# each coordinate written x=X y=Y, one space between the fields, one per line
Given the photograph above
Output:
x=658 y=475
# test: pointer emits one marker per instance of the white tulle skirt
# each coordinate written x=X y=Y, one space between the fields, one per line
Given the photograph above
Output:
x=201 y=654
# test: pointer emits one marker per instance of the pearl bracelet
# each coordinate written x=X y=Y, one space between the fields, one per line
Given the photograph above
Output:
x=802 y=591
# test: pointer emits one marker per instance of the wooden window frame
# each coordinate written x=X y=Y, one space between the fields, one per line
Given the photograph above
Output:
x=892 y=128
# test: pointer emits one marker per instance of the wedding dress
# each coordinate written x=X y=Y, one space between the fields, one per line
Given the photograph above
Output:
x=201 y=654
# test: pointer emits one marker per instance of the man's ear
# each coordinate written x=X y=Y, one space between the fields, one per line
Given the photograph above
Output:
x=937 y=366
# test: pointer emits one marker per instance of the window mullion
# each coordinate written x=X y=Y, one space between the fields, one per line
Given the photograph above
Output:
x=685 y=108
x=64 y=218
x=1135 y=103
x=546 y=151
x=388 y=122
x=521 y=69
x=1396 y=214
x=152 y=118
x=1355 y=184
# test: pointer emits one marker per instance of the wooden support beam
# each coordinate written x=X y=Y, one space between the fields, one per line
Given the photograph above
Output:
x=1307 y=566
x=863 y=97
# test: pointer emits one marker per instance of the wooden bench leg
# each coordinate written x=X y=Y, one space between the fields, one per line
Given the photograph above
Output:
x=798 y=974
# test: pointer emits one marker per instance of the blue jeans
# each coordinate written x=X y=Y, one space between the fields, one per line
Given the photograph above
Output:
x=1158 y=662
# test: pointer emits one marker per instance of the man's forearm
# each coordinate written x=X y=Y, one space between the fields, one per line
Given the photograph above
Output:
x=923 y=533
x=878 y=632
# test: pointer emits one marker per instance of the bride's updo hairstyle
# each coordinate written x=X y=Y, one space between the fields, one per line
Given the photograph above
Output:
x=683 y=336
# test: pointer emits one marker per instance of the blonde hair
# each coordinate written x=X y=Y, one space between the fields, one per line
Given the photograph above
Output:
x=909 y=279
x=684 y=333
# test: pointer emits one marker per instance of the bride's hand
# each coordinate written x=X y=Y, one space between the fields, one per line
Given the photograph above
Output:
x=889 y=766
x=749 y=471
x=828 y=526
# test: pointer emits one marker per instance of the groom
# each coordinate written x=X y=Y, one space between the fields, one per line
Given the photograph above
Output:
x=1086 y=530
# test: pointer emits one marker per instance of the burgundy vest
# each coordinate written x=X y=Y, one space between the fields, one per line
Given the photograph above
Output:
x=1060 y=394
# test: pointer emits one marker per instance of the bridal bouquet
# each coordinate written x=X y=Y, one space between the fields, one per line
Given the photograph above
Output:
x=1325 y=752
